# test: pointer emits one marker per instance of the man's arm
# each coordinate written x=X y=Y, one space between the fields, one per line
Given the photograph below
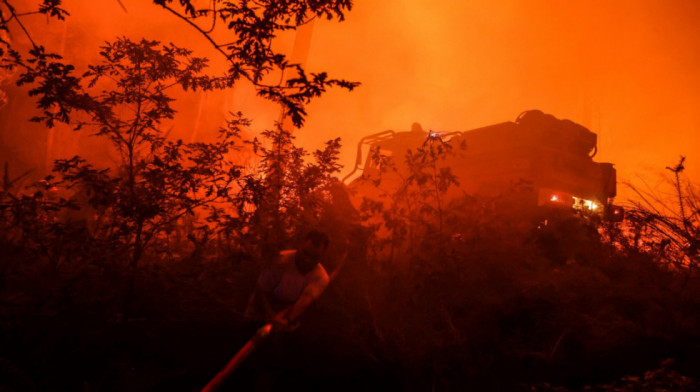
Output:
x=310 y=293
x=296 y=309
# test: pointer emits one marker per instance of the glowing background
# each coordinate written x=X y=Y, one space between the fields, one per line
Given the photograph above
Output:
x=627 y=70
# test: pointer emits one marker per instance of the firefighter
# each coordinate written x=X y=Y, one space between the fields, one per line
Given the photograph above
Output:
x=290 y=283
x=285 y=289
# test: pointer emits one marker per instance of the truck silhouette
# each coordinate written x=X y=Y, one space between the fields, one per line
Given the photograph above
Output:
x=554 y=157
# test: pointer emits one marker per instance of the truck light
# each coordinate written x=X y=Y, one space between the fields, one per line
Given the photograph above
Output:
x=614 y=213
x=590 y=205
x=555 y=198
x=584 y=204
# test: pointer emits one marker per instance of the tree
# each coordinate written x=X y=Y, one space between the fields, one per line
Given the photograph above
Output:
x=141 y=74
x=413 y=206
x=285 y=194
x=124 y=100
x=252 y=26
x=669 y=228
x=158 y=181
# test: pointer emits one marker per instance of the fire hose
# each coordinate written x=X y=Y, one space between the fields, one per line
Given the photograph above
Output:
x=260 y=335
x=237 y=359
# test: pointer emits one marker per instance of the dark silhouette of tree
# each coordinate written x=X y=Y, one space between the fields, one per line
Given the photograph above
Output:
x=668 y=228
x=413 y=211
x=124 y=100
x=157 y=182
x=285 y=194
x=251 y=26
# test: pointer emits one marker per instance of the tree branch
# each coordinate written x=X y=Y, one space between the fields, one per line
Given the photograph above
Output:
x=206 y=35
x=19 y=22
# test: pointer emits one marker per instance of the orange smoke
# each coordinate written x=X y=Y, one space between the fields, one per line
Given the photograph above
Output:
x=626 y=70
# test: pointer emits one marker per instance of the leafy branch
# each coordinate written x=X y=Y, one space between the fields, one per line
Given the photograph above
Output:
x=254 y=25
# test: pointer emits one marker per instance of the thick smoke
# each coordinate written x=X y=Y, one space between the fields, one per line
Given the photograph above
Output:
x=626 y=70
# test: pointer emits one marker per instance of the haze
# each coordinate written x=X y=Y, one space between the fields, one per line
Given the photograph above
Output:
x=624 y=69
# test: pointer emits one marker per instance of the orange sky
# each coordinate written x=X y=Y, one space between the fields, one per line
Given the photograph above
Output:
x=625 y=69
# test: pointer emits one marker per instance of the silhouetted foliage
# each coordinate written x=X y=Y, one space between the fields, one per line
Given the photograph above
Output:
x=412 y=210
x=252 y=26
x=440 y=292
x=499 y=297
x=285 y=194
x=666 y=227
x=158 y=181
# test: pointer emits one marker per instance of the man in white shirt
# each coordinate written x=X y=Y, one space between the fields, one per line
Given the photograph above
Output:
x=291 y=282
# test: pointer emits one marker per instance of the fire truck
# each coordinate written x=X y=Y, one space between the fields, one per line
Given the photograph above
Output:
x=553 y=156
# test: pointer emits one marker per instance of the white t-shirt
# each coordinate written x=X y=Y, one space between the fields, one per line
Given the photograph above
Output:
x=285 y=283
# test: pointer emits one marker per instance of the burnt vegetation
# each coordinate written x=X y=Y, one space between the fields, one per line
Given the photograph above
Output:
x=135 y=276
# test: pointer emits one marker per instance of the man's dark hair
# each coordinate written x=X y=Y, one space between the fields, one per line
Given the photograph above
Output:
x=318 y=239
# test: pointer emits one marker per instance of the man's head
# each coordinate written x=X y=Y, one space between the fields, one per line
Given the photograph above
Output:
x=311 y=251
